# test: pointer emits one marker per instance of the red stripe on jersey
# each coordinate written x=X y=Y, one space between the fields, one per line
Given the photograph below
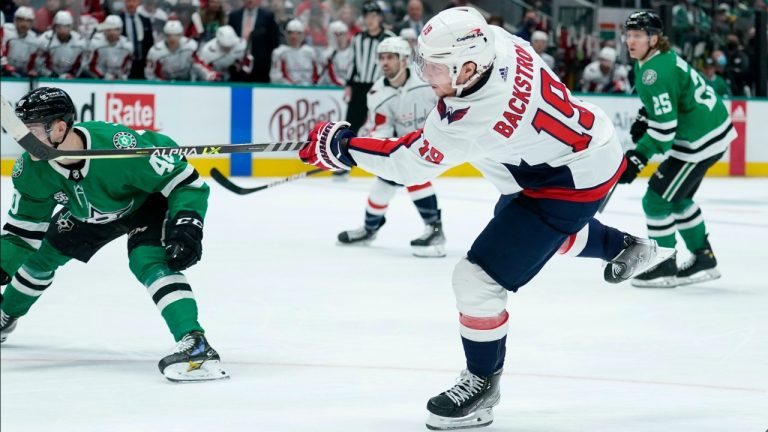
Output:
x=578 y=195
x=377 y=206
x=484 y=323
x=415 y=188
x=383 y=147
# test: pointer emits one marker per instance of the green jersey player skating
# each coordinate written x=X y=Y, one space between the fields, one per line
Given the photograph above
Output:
x=159 y=202
x=685 y=120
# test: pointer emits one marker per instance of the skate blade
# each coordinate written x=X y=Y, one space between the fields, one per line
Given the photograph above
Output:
x=190 y=372
x=702 y=276
x=361 y=243
x=480 y=418
x=661 y=282
x=433 y=251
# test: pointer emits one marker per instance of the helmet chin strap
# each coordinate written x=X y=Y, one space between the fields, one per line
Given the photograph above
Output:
x=55 y=145
x=461 y=87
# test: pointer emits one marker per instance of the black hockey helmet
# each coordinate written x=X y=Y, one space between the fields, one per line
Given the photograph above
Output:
x=44 y=105
x=372 y=7
x=648 y=21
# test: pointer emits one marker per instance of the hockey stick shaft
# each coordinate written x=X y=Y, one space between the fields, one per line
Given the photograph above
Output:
x=19 y=131
x=227 y=183
x=606 y=199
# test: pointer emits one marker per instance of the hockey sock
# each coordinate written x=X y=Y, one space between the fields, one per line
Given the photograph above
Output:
x=32 y=279
x=690 y=223
x=425 y=200
x=658 y=215
x=595 y=240
x=484 y=341
x=378 y=200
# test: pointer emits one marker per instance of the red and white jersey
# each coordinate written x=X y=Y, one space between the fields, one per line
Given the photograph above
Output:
x=213 y=63
x=61 y=59
x=396 y=111
x=18 y=53
x=164 y=65
x=336 y=65
x=519 y=126
x=593 y=80
x=294 y=66
x=110 y=60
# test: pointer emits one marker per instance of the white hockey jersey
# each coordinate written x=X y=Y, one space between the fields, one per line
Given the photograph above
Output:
x=110 y=60
x=213 y=63
x=336 y=65
x=519 y=126
x=615 y=81
x=294 y=66
x=60 y=59
x=164 y=65
x=18 y=53
x=393 y=111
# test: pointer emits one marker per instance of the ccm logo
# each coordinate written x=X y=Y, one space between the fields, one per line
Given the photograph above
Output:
x=137 y=111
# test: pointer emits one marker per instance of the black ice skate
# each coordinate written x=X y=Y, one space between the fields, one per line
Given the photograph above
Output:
x=638 y=255
x=431 y=243
x=358 y=237
x=192 y=360
x=468 y=404
x=7 y=325
x=661 y=276
x=701 y=267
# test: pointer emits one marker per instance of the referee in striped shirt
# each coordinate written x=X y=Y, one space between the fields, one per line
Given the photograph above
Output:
x=365 y=67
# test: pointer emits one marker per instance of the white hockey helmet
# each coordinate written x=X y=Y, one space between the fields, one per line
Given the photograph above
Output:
x=63 y=17
x=408 y=34
x=338 y=27
x=608 y=54
x=395 y=45
x=226 y=36
x=453 y=37
x=173 y=27
x=294 y=25
x=24 y=12
x=111 y=22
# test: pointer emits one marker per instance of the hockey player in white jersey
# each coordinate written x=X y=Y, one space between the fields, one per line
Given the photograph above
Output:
x=399 y=102
x=111 y=53
x=223 y=56
x=61 y=49
x=171 y=59
x=337 y=59
x=552 y=157
x=19 y=44
x=295 y=62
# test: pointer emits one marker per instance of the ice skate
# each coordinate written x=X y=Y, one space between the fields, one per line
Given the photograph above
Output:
x=468 y=404
x=661 y=276
x=638 y=255
x=192 y=360
x=358 y=237
x=701 y=267
x=7 y=325
x=431 y=243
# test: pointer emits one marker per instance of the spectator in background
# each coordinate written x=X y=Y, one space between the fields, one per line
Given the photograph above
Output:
x=347 y=16
x=157 y=16
x=337 y=59
x=334 y=7
x=412 y=38
x=294 y=63
x=737 y=69
x=110 y=52
x=138 y=30
x=714 y=80
x=224 y=58
x=721 y=25
x=44 y=16
x=258 y=27
x=19 y=44
x=540 y=42
x=496 y=20
x=414 y=18
x=306 y=8
x=61 y=48
x=213 y=17
x=171 y=59
x=457 y=3
x=187 y=13
x=528 y=25
x=604 y=75
x=283 y=11
x=317 y=29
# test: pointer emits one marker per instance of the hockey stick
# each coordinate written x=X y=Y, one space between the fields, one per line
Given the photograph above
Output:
x=607 y=197
x=40 y=150
x=228 y=185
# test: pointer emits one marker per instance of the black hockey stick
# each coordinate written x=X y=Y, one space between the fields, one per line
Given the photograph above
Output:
x=607 y=197
x=38 y=149
x=228 y=185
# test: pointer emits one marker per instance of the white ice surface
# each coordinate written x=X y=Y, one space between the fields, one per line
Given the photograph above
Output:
x=319 y=337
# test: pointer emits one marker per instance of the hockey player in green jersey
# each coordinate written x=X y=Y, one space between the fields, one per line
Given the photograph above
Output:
x=689 y=123
x=159 y=202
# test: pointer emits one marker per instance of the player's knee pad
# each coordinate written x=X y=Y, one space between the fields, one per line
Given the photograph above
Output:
x=148 y=263
x=481 y=303
x=655 y=205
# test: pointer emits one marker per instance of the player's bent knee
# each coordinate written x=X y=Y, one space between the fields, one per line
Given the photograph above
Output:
x=148 y=263
x=654 y=204
x=477 y=294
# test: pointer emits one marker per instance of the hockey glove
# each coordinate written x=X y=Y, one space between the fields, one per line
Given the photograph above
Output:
x=640 y=126
x=5 y=278
x=327 y=148
x=635 y=163
x=184 y=240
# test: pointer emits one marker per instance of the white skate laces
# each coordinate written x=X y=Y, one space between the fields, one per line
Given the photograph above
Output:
x=468 y=384
x=184 y=344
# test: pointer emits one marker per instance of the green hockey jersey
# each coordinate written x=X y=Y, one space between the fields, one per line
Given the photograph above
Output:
x=685 y=116
x=100 y=191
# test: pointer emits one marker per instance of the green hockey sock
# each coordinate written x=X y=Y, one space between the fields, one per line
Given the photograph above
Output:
x=690 y=222
x=181 y=317
x=659 y=218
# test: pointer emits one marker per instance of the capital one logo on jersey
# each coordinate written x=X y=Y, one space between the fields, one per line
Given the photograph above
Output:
x=137 y=111
x=293 y=122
